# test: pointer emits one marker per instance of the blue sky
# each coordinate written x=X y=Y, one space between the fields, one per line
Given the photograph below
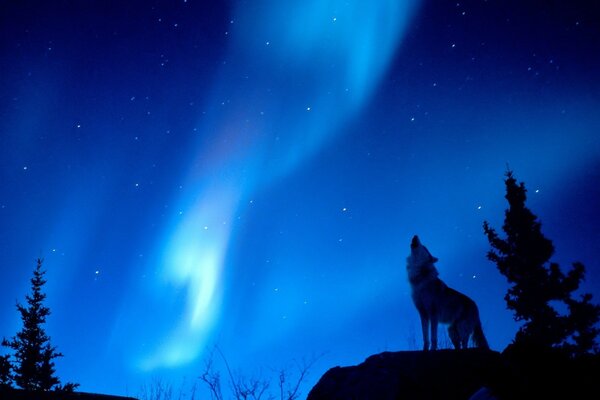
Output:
x=250 y=175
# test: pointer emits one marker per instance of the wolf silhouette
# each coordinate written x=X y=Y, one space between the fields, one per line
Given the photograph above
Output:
x=438 y=303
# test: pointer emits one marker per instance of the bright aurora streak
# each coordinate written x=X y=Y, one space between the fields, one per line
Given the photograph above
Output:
x=336 y=52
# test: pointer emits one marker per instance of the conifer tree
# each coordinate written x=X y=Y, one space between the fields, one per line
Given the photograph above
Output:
x=538 y=285
x=33 y=365
x=5 y=372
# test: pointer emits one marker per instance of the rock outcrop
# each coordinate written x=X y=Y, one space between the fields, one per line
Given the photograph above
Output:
x=475 y=374
x=442 y=374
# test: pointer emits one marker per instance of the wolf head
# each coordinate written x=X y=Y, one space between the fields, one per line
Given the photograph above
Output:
x=420 y=264
x=419 y=253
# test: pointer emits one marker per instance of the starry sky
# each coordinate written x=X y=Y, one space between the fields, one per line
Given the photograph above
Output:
x=249 y=174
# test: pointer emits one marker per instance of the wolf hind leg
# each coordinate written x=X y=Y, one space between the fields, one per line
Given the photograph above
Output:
x=459 y=332
x=454 y=336
x=478 y=336
x=465 y=341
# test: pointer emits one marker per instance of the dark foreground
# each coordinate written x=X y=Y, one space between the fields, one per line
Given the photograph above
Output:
x=13 y=394
x=459 y=374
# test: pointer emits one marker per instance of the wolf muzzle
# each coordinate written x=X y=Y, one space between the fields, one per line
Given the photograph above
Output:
x=415 y=242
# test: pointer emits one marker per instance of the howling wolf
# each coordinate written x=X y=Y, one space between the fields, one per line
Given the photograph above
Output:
x=437 y=303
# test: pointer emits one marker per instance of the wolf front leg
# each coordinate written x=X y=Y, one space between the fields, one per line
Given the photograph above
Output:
x=425 y=329
x=433 y=320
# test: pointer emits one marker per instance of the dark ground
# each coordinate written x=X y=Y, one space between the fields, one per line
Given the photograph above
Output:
x=13 y=394
x=458 y=374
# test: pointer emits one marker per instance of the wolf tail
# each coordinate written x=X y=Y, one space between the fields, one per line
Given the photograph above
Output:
x=478 y=337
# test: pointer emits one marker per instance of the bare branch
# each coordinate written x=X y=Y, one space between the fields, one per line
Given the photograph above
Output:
x=212 y=379
x=292 y=391
x=255 y=387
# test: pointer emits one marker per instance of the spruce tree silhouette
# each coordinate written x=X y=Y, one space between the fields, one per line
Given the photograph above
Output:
x=536 y=284
x=33 y=365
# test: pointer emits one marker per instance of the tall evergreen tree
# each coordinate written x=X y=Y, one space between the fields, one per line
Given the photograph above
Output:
x=538 y=285
x=33 y=366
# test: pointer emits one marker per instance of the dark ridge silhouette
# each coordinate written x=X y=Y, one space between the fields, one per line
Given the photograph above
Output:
x=16 y=394
x=459 y=374
x=442 y=374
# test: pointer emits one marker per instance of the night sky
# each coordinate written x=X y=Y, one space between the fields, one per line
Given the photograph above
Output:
x=250 y=173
